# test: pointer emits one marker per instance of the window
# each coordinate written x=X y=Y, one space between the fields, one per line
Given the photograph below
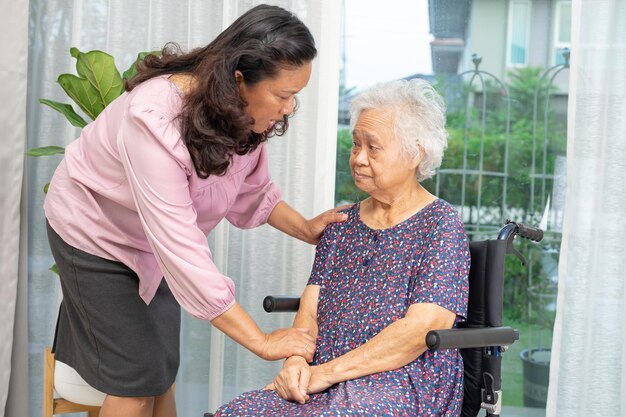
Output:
x=519 y=29
x=506 y=146
x=562 y=30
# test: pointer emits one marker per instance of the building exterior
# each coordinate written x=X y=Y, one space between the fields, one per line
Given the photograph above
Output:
x=507 y=34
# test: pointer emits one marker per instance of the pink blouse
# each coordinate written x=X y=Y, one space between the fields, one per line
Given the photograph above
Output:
x=127 y=191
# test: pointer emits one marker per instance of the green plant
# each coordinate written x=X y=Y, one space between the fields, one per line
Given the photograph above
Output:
x=98 y=83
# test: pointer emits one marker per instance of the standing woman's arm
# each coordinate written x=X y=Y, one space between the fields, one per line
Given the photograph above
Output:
x=156 y=170
x=259 y=201
x=240 y=327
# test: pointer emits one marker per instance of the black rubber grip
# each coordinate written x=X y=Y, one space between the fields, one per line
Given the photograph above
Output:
x=276 y=304
x=528 y=232
x=471 y=338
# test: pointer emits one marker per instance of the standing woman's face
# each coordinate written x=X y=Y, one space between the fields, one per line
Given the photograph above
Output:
x=271 y=99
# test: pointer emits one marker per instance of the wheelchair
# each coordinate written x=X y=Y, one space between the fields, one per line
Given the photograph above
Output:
x=481 y=338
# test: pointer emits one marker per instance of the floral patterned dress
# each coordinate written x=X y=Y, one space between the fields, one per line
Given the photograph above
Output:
x=368 y=280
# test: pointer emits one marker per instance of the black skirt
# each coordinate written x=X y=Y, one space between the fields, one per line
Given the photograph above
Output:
x=107 y=333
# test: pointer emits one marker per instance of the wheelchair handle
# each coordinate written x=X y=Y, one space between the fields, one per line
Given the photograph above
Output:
x=471 y=337
x=275 y=304
x=512 y=228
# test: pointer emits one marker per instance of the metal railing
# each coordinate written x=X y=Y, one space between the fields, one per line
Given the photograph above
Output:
x=479 y=100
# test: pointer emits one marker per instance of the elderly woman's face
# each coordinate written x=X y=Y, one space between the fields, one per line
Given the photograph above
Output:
x=377 y=161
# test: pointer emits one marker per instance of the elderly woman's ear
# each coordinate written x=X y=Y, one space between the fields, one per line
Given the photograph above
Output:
x=416 y=160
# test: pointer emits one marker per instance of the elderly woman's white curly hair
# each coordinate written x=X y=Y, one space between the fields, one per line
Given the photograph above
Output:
x=419 y=119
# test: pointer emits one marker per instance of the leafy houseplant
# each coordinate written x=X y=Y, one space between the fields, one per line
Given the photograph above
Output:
x=97 y=84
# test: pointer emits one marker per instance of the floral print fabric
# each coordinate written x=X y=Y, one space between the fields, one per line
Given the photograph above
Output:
x=368 y=280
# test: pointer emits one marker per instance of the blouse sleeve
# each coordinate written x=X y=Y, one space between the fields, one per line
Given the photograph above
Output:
x=442 y=273
x=257 y=196
x=154 y=161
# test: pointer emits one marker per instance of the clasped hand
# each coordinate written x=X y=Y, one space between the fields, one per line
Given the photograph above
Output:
x=298 y=379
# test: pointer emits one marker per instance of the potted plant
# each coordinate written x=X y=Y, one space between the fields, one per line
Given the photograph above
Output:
x=97 y=84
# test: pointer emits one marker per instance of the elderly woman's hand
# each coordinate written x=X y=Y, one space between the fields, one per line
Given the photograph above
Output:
x=320 y=379
x=292 y=381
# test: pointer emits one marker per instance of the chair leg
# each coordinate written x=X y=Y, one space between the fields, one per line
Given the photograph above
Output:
x=48 y=382
x=60 y=405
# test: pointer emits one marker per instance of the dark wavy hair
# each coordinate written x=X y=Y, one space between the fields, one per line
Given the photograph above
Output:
x=214 y=123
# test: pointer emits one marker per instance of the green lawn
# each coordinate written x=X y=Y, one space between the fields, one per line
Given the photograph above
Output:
x=512 y=377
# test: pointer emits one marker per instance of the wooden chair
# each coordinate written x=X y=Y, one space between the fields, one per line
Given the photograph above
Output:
x=51 y=405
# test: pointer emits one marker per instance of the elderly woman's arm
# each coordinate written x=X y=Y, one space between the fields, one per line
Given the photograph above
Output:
x=306 y=317
x=398 y=344
x=293 y=380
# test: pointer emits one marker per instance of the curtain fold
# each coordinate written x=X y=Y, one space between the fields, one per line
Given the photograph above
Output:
x=260 y=261
x=588 y=366
x=265 y=261
x=13 y=72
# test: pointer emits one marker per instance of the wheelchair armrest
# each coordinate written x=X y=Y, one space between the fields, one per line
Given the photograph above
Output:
x=471 y=337
x=435 y=339
x=282 y=303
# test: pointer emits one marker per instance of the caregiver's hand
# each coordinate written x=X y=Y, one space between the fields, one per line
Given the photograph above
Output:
x=283 y=343
x=289 y=221
x=315 y=226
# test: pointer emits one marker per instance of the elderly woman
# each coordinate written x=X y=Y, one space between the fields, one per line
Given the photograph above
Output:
x=394 y=270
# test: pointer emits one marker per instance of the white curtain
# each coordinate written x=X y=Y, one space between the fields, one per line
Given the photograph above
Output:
x=588 y=366
x=260 y=261
x=13 y=279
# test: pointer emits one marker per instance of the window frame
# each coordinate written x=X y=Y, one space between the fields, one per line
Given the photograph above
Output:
x=557 y=44
x=509 y=40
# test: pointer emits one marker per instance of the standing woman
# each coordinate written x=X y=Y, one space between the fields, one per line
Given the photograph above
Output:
x=137 y=193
